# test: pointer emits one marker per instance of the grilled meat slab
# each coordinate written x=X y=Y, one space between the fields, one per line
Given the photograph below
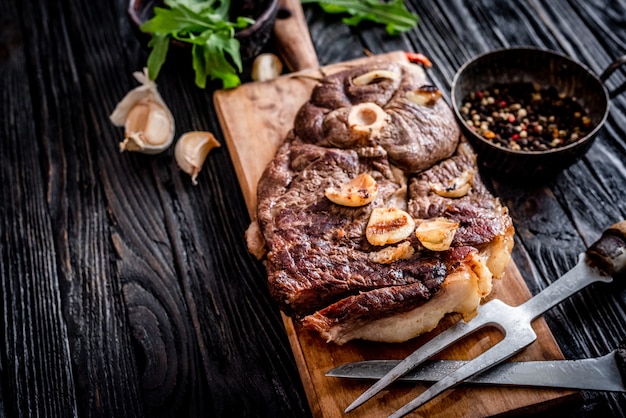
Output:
x=323 y=268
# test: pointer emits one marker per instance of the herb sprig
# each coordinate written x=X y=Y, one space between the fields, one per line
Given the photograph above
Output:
x=206 y=27
x=393 y=14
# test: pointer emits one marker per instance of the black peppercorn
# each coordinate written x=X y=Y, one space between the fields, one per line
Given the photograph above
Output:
x=524 y=116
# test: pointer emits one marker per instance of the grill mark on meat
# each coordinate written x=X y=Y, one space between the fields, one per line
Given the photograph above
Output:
x=328 y=278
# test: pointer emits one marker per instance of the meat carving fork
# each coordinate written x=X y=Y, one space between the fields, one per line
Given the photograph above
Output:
x=601 y=262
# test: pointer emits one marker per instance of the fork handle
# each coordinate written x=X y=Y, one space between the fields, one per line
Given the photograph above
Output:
x=604 y=259
x=609 y=252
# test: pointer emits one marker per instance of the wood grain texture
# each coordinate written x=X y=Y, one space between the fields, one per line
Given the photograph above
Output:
x=252 y=145
x=134 y=315
x=128 y=292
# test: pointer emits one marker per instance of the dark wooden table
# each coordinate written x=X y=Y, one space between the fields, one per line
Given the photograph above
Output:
x=128 y=292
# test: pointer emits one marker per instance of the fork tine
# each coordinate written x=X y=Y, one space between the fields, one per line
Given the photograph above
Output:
x=496 y=354
x=429 y=349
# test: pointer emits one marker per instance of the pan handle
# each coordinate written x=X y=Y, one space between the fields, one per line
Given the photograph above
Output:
x=611 y=68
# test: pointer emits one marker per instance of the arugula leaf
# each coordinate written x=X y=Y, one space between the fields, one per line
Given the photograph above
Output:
x=393 y=13
x=160 y=45
x=209 y=60
x=204 y=24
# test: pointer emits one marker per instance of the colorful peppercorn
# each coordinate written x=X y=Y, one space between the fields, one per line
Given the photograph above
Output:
x=526 y=117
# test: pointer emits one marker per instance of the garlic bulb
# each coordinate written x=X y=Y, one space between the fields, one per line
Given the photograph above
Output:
x=147 y=121
x=266 y=67
x=192 y=149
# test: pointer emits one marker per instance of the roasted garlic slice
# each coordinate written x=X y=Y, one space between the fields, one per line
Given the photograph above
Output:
x=367 y=78
x=456 y=187
x=436 y=234
x=192 y=149
x=393 y=253
x=359 y=191
x=388 y=226
x=147 y=121
x=426 y=95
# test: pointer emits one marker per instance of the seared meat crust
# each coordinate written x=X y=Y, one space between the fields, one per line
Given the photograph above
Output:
x=481 y=216
x=321 y=268
x=414 y=136
x=318 y=252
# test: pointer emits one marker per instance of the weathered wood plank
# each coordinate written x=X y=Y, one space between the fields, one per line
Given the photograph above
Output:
x=128 y=292
x=36 y=373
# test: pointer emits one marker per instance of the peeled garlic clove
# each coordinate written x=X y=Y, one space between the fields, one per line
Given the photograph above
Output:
x=359 y=191
x=266 y=67
x=192 y=149
x=436 y=234
x=426 y=95
x=367 y=119
x=147 y=121
x=370 y=76
x=388 y=226
x=455 y=188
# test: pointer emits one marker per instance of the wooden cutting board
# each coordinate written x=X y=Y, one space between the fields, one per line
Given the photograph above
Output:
x=255 y=118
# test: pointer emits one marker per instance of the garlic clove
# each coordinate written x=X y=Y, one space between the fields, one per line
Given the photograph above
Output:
x=359 y=191
x=436 y=234
x=455 y=188
x=388 y=226
x=191 y=151
x=426 y=95
x=367 y=78
x=147 y=128
x=265 y=67
x=147 y=121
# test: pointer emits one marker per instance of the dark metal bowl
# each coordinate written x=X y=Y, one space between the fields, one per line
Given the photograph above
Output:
x=251 y=40
x=546 y=68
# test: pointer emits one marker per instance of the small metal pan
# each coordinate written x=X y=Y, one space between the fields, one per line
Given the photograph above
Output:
x=546 y=68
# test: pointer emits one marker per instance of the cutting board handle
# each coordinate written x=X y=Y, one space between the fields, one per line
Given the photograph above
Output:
x=293 y=40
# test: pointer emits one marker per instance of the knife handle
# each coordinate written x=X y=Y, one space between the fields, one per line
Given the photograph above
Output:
x=609 y=252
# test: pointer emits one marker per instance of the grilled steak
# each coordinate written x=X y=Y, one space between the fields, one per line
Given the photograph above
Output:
x=318 y=250
x=372 y=219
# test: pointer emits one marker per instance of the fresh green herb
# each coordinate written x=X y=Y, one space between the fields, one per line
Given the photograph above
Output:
x=393 y=13
x=204 y=25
